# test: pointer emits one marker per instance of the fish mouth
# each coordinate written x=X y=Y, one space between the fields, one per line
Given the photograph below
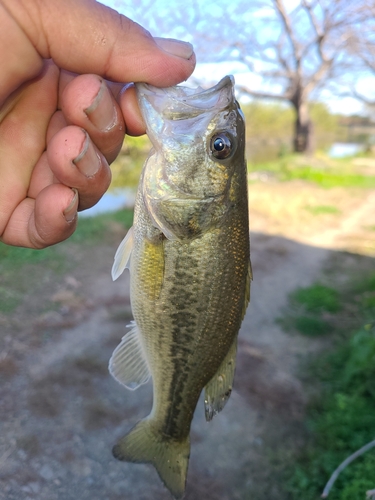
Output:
x=180 y=102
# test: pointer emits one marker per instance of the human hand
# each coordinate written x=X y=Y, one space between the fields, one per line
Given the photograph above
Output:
x=58 y=130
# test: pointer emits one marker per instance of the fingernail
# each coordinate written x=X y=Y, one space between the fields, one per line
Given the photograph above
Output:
x=176 y=47
x=88 y=161
x=70 y=213
x=102 y=113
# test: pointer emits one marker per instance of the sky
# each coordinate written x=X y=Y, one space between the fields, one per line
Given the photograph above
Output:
x=343 y=105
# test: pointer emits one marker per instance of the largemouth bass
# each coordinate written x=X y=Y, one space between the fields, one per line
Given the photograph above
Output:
x=189 y=260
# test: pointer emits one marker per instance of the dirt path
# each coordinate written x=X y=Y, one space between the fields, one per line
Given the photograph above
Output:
x=60 y=411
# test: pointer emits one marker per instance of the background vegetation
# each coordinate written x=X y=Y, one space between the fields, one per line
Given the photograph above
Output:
x=269 y=129
x=340 y=416
x=269 y=137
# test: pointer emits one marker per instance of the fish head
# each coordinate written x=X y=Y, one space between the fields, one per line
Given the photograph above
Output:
x=198 y=139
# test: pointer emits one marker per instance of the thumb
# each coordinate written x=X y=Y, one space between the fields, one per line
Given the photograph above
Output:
x=84 y=36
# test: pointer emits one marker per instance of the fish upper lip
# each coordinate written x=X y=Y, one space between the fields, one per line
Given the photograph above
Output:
x=197 y=98
x=226 y=80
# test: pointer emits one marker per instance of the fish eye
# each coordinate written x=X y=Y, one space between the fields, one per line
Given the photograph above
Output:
x=221 y=146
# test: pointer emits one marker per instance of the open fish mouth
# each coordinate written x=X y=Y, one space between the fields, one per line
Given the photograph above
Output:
x=180 y=102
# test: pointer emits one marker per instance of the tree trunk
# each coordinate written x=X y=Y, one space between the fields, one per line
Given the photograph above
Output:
x=304 y=130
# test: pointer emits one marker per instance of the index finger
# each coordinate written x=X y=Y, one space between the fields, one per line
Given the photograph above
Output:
x=92 y=38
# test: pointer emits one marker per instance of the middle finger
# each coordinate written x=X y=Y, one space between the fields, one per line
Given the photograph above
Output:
x=87 y=102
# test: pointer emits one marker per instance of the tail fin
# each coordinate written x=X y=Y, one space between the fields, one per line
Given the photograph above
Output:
x=170 y=458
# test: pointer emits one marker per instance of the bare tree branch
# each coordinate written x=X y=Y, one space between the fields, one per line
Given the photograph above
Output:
x=289 y=30
x=293 y=52
x=262 y=95
x=309 y=9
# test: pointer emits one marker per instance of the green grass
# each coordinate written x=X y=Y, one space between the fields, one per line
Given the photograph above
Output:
x=365 y=284
x=317 y=298
x=327 y=173
x=311 y=310
x=328 y=179
x=88 y=230
x=341 y=421
x=14 y=257
x=322 y=209
x=341 y=417
x=312 y=327
x=22 y=270
x=92 y=229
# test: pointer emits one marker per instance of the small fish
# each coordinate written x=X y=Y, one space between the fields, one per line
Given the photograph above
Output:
x=189 y=260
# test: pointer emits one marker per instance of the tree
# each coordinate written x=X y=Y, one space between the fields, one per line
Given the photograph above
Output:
x=306 y=49
x=362 y=48
x=291 y=49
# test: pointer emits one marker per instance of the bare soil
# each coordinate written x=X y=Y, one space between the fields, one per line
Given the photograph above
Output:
x=61 y=412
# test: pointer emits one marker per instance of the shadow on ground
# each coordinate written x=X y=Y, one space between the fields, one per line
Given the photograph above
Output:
x=60 y=411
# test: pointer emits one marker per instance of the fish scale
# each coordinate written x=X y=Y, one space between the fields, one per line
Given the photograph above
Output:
x=189 y=260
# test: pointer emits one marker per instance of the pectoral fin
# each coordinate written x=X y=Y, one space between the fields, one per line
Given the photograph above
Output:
x=128 y=363
x=219 y=388
x=122 y=257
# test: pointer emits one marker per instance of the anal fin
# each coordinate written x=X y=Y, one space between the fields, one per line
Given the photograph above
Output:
x=219 y=388
x=128 y=363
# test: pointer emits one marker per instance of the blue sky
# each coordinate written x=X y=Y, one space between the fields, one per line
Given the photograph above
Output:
x=133 y=9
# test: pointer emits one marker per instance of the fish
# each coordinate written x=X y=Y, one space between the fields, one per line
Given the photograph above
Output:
x=188 y=253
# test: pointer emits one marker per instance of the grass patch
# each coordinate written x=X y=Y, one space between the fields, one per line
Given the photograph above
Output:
x=312 y=310
x=366 y=284
x=91 y=229
x=341 y=418
x=341 y=421
x=322 y=210
x=312 y=327
x=324 y=172
x=24 y=271
x=317 y=298
x=14 y=257
x=328 y=179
